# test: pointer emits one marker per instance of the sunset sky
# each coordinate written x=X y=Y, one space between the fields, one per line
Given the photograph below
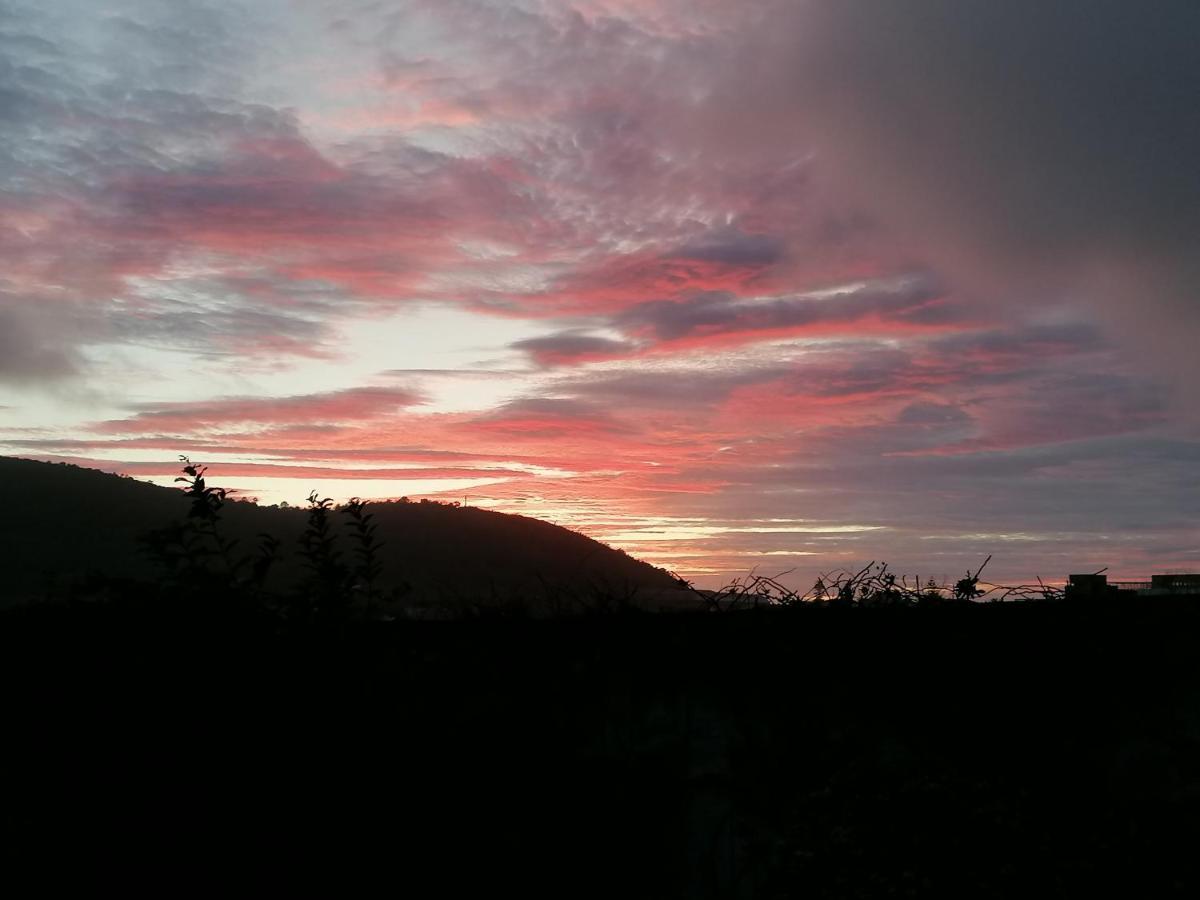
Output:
x=724 y=284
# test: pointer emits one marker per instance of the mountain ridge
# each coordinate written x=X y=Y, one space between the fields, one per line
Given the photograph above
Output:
x=67 y=523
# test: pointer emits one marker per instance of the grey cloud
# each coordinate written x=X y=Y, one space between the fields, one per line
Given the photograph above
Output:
x=351 y=404
x=233 y=315
x=550 y=407
x=867 y=370
x=718 y=312
x=1059 y=369
x=732 y=246
x=967 y=362
x=1029 y=151
x=943 y=311
x=1051 y=125
x=569 y=346
x=1085 y=404
x=31 y=349
x=675 y=389
x=542 y=417
x=228 y=329
x=1030 y=340
x=924 y=413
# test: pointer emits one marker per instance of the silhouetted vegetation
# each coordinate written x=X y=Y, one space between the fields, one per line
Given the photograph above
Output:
x=83 y=534
x=872 y=585
x=368 y=549
x=324 y=591
x=197 y=557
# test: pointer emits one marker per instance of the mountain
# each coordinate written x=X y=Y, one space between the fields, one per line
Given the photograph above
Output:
x=63 y=524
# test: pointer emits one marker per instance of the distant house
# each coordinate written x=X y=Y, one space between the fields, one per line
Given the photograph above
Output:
x=1166 y=585
x=1175 y=584
x=1088 y=585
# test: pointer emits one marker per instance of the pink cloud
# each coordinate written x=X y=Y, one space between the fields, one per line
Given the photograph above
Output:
x=350 y=405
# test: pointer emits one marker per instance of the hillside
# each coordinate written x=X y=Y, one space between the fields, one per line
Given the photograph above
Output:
x=64 y=524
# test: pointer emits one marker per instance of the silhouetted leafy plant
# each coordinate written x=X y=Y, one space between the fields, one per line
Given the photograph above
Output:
x=205 y=513
x=367 y=565
x=195 y=552
x=326 y=588
x=201 y=562
x=968 y=588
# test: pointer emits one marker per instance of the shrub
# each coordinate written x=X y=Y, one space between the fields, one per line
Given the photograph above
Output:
x=326 y=588
x=367 y=565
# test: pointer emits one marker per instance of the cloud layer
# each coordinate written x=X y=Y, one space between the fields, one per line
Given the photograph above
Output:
x=826 y=281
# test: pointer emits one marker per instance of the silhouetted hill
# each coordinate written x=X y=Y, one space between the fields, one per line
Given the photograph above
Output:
x=64 y=524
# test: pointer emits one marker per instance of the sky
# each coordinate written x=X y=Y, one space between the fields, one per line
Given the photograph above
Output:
x=729 y=285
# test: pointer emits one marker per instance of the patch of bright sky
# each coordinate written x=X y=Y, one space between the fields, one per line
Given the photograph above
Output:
x=437 y=337
x=429 y=338
x=41 y=409
x=426 y=338
x=696 y=531
x=513 y=278
x=118 y=454
x=632 y=530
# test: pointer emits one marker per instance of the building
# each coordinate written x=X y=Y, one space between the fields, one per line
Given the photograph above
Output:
x=1166 y=585
x=1175 y=584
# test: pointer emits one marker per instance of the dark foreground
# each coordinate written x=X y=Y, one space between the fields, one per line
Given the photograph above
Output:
x=988 y=751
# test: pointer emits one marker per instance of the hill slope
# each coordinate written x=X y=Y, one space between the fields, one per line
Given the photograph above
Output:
x=62 y=523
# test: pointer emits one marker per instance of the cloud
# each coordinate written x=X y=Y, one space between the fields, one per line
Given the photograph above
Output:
x=1046 y=127
x=1027 y=341
x=235 y=413
x=926 y=414
x=733 y=247
x=870 y=263
x=542 y=418
x=160 y=206
x=722 y=313
x=32 y=348
x=1033 y=153
x=568 y=347
x=677 y=388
